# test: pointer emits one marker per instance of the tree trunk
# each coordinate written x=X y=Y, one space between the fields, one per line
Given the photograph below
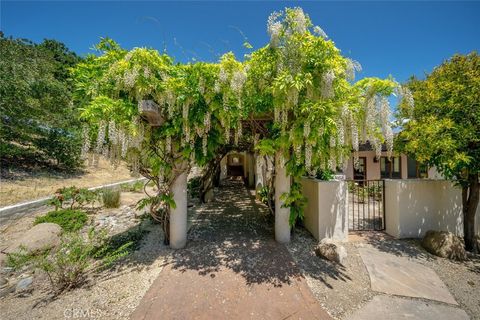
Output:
x=470 y=199
x=209 y=176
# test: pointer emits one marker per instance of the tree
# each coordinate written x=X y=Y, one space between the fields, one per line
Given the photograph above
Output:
x=442 y=129
x=39 y=121
x=295 y=98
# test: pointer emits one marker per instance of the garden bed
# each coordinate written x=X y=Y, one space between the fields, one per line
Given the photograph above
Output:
x=109 y=294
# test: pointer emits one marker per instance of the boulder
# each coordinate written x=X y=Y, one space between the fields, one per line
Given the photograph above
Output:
x=477 y=240
x=41 y=237
x=444 y=244
x=329 y=250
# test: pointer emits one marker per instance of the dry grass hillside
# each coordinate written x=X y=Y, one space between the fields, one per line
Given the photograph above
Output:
x=18 y=186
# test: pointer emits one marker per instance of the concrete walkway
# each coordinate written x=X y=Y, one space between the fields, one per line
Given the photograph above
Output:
x=231 y=269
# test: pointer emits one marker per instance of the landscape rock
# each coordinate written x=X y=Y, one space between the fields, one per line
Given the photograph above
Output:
x=329 y=250
x=444 y=244
x=24 y=284
x=41 y=237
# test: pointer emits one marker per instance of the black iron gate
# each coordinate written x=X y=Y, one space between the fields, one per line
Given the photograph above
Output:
x=366 y=205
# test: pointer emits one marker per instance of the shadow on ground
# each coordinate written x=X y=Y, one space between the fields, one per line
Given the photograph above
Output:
x=235 y=232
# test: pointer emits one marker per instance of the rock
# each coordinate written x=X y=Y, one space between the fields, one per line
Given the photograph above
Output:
x=477 y=240
x=329 y=250
x=444 y=244
x=24 y=284
x=41 y=237
x=208 y=197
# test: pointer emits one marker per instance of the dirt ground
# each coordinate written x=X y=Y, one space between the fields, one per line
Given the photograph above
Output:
x=18 y=186
x=110 y=294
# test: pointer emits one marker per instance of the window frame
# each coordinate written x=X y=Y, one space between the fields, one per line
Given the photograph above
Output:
x=389 y=164
x=364 y=169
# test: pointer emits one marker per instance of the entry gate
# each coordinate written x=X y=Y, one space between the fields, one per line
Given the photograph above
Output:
x=366 y=205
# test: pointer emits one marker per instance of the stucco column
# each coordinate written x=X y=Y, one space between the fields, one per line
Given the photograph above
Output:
x=282 y=185
x=178 y=216
x=223 y=168
x=259 y=173
x=251 y=171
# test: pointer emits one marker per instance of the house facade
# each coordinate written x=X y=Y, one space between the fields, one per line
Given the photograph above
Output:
x=398 y=166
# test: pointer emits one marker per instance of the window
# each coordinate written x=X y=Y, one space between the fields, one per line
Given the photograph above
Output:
x=416 y=169
x=390 y=168
x=360 y=171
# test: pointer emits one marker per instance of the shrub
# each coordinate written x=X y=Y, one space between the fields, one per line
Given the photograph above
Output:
x=194 y=186
x=76 y=258
x=133 y=236
x=70 y=220
x=75 y=197
x=111 y=198
x=325 y=175
x=264 y=194
x=137 y=186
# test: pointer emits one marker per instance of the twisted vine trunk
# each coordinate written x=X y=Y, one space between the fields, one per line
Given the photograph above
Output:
x=470 y=199
x=210 y=176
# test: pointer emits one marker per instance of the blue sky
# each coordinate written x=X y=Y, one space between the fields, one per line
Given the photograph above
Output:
x=397 y=38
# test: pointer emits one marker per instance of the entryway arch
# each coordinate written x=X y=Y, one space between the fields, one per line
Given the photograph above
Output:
x=248 y=161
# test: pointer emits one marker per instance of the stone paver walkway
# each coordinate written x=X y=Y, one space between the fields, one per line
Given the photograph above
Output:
x=395 y=308
x=231 y=269
x=398 y=275
x=395 y=275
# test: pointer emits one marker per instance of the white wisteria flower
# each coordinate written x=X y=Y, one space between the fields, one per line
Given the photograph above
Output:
x=319 y=32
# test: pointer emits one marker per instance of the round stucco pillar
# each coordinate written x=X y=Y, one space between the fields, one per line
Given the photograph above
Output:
x=258 y=172
x=223 y=168
x=282 y=185
x=178 y=216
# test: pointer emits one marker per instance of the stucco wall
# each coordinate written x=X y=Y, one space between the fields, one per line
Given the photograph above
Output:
x=414 y=206
x=326 y=209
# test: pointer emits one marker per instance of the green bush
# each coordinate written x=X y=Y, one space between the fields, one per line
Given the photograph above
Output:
x=70 y=220
x=325 y=175
x=194 y=186
x=76 y=258
x=111 y=198
x=137 y=186
x=264 y=194
x=73 y=196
